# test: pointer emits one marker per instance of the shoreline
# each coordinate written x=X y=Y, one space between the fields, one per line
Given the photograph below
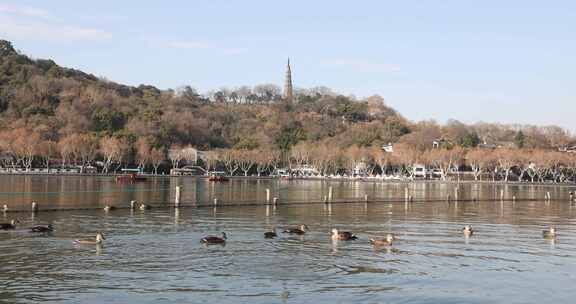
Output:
x=280 y=179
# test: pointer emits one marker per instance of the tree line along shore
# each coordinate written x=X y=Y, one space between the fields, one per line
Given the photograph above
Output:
x=56 y=116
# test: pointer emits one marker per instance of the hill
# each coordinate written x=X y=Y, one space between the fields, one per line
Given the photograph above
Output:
x=48 y=111
x=57 y=101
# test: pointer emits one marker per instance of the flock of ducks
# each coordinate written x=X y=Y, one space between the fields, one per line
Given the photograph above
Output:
x=49 y=228
x=36 y=228
x=97 y=240
x=336 y=235
x=211 y=239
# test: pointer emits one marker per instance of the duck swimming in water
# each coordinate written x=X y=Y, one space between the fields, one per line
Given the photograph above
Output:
x=42 y=228
x=387 y=241
x=108 y=208
x=214 y=239
x=271 y=234
x=467 y=230
x=9 y=226
x=299 y=230
x=343 y=235
x=95 y=241
x=144 y=207
x=550 y=233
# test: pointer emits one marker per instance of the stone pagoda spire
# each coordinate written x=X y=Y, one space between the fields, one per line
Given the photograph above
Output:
x=288 y=94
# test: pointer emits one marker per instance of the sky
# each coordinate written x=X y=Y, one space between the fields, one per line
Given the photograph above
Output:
x=491 y=61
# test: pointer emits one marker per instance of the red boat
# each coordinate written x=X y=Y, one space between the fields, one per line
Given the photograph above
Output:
x=130 y=177
x=217 y=177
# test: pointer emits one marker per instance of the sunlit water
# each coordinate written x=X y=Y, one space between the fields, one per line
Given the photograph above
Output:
x=155 y=256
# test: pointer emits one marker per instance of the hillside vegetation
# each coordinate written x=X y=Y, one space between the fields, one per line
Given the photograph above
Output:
x=49 y=112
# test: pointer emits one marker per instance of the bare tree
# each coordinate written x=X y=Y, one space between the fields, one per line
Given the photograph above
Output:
x=228 y=157
x=407 y=157
x=111 y=149
x=478 y=159
x=67 y=149
x=211 y=159
x=300 y=154
x=48 y=149
x=506 y=159
x=157 y=157
x=143 y=152
x=245 y=160
x=190 y=155
x=26 y=146
x=87 y=147
x=175 y=155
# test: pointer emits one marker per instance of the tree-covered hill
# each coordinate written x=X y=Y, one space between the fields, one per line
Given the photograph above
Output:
x=48 y=111
x=54 y=101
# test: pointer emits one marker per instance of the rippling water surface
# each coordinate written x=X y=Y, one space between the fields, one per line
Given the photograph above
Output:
x=155 y=256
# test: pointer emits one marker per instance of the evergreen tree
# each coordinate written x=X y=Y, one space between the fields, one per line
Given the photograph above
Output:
x=519 y=139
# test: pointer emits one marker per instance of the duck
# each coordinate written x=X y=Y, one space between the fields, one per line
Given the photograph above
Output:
x=144 y=207
x=343 y=235
x=467 y=230
x=298 y=230
x=95 y=241
x=270 y=234
x=5 y=208
x=387 y=241
x=9 y=226
x=550 y=233
x=109 y=208
x=42 y=228
x=214 y=239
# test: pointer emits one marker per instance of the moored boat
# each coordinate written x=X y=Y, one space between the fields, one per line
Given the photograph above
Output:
x=130 y=178
x=217 y=176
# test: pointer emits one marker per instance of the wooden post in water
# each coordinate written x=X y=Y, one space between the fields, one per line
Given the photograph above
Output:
x=34 y=207
x=325 y=199
x=548 y=197
x=501 y=194
x=215 y=201
x=571 y=196
x=456 y=193
x=275 y=201
x=330 y=194
x=410 y=198
x=132 y=204
x=267 y=196
x=366 y=198
x=406 y=194
x=177 y=197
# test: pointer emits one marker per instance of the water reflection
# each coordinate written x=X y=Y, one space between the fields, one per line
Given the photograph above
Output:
x=155 y=255
x=70 y=191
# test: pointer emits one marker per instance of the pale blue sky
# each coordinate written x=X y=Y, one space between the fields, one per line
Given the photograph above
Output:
x=494 y=61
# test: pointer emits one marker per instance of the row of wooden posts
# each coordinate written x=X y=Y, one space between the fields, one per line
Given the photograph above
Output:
x=326 y=199
x=177 y=196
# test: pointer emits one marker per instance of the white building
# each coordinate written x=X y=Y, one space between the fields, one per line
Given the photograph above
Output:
x=419 y=171
x=388 y=148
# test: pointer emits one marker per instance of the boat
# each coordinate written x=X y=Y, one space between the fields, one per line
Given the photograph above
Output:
x=217 y=176
x=282 y=174
x=131 y=176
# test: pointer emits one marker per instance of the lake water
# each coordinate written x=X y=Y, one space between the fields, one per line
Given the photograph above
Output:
x=155 y=256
